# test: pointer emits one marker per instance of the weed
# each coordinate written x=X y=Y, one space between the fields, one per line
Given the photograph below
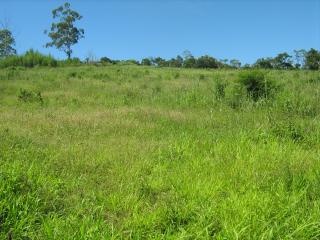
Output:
x=30 y=96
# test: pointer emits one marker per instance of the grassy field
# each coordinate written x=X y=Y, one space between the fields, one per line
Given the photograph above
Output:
x=125 y=152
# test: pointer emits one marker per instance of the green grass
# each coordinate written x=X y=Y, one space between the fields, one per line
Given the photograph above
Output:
x=126 y=152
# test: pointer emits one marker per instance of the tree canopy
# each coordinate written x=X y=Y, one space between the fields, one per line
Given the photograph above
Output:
x=64 y=34
x=7 y=43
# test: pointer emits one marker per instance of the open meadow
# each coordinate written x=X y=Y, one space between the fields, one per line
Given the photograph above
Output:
x=132 y=152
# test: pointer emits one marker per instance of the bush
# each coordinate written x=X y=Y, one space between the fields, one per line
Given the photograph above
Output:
x=207 y=62
x=219 y=89
x=30 y=59
x=256 y=85
x=70 y=62
x=146 y=62
x=30 y=96
x=106 y=60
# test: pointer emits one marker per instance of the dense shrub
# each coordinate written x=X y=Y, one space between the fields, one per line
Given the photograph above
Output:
x=256 y=85
x=206 y=62
x=106 y=60
x=30 y=96
x=312 y=59
x=30 y=59
x=146 y=62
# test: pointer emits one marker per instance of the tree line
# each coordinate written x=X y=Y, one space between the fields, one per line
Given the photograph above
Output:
x=301 y=59
x=64 y=34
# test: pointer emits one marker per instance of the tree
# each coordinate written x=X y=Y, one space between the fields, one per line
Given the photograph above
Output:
x=246 y=66
x=176 y=62
x=189 y=62
x=266 y=63
x=146 y=62
x=223 y=63
x=106 y=60
x=160 y=62
x=187 y=54
x=283 y=61
x=299 y=56
x=235 y=63
x=7 y=43
x=64 y=34
x=91 y=57
x=207 y=62
x=312 y=60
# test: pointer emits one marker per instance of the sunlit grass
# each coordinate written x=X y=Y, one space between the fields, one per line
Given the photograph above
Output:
x=134 y=152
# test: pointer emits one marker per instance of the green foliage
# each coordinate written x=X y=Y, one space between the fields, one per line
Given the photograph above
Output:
x=283 y=61
x=219 y=89
x=207 y=62
x=235 y=63
x=288 y=130
x=21 y=204
x=176 y=62
x=300 y=57
x=235 y=95
x=146 y=62
x=7 y=43
x=30 y=96
x=256 y=85
x=312 y=61
x=30 y=59
x=64 y=34
x=105 y=60
x=265 y=63
x=70 y=62
x=135 y=152
x=160 y=62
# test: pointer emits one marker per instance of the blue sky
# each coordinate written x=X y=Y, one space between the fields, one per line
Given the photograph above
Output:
x=133 y=29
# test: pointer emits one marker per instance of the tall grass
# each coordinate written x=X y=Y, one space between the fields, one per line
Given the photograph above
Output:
x=126 y=152
x=30 y=59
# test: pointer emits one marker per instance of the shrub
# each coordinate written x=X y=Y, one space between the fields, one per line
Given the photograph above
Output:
x=106 y=60
x=30 y=96
x=146 y=62
x=288 y=130
x=70 y=62
x=256 y=85
x=207 y=62
x=30 y=59
x=219 y=89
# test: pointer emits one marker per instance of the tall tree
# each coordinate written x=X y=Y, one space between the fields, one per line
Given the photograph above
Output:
x=160 y=62
x=235 y=63
x=312 y=61
x=64 y=34
x=146 y=62
x=283 y=61
x=207 y=62
x=299 y=56
x=187 y=54
x=7 y=43
x=264 y=63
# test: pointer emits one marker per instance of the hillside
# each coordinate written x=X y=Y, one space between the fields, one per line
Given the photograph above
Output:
x=142 y=152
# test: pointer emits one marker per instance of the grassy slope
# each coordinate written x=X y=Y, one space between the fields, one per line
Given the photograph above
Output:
x=132 y=152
